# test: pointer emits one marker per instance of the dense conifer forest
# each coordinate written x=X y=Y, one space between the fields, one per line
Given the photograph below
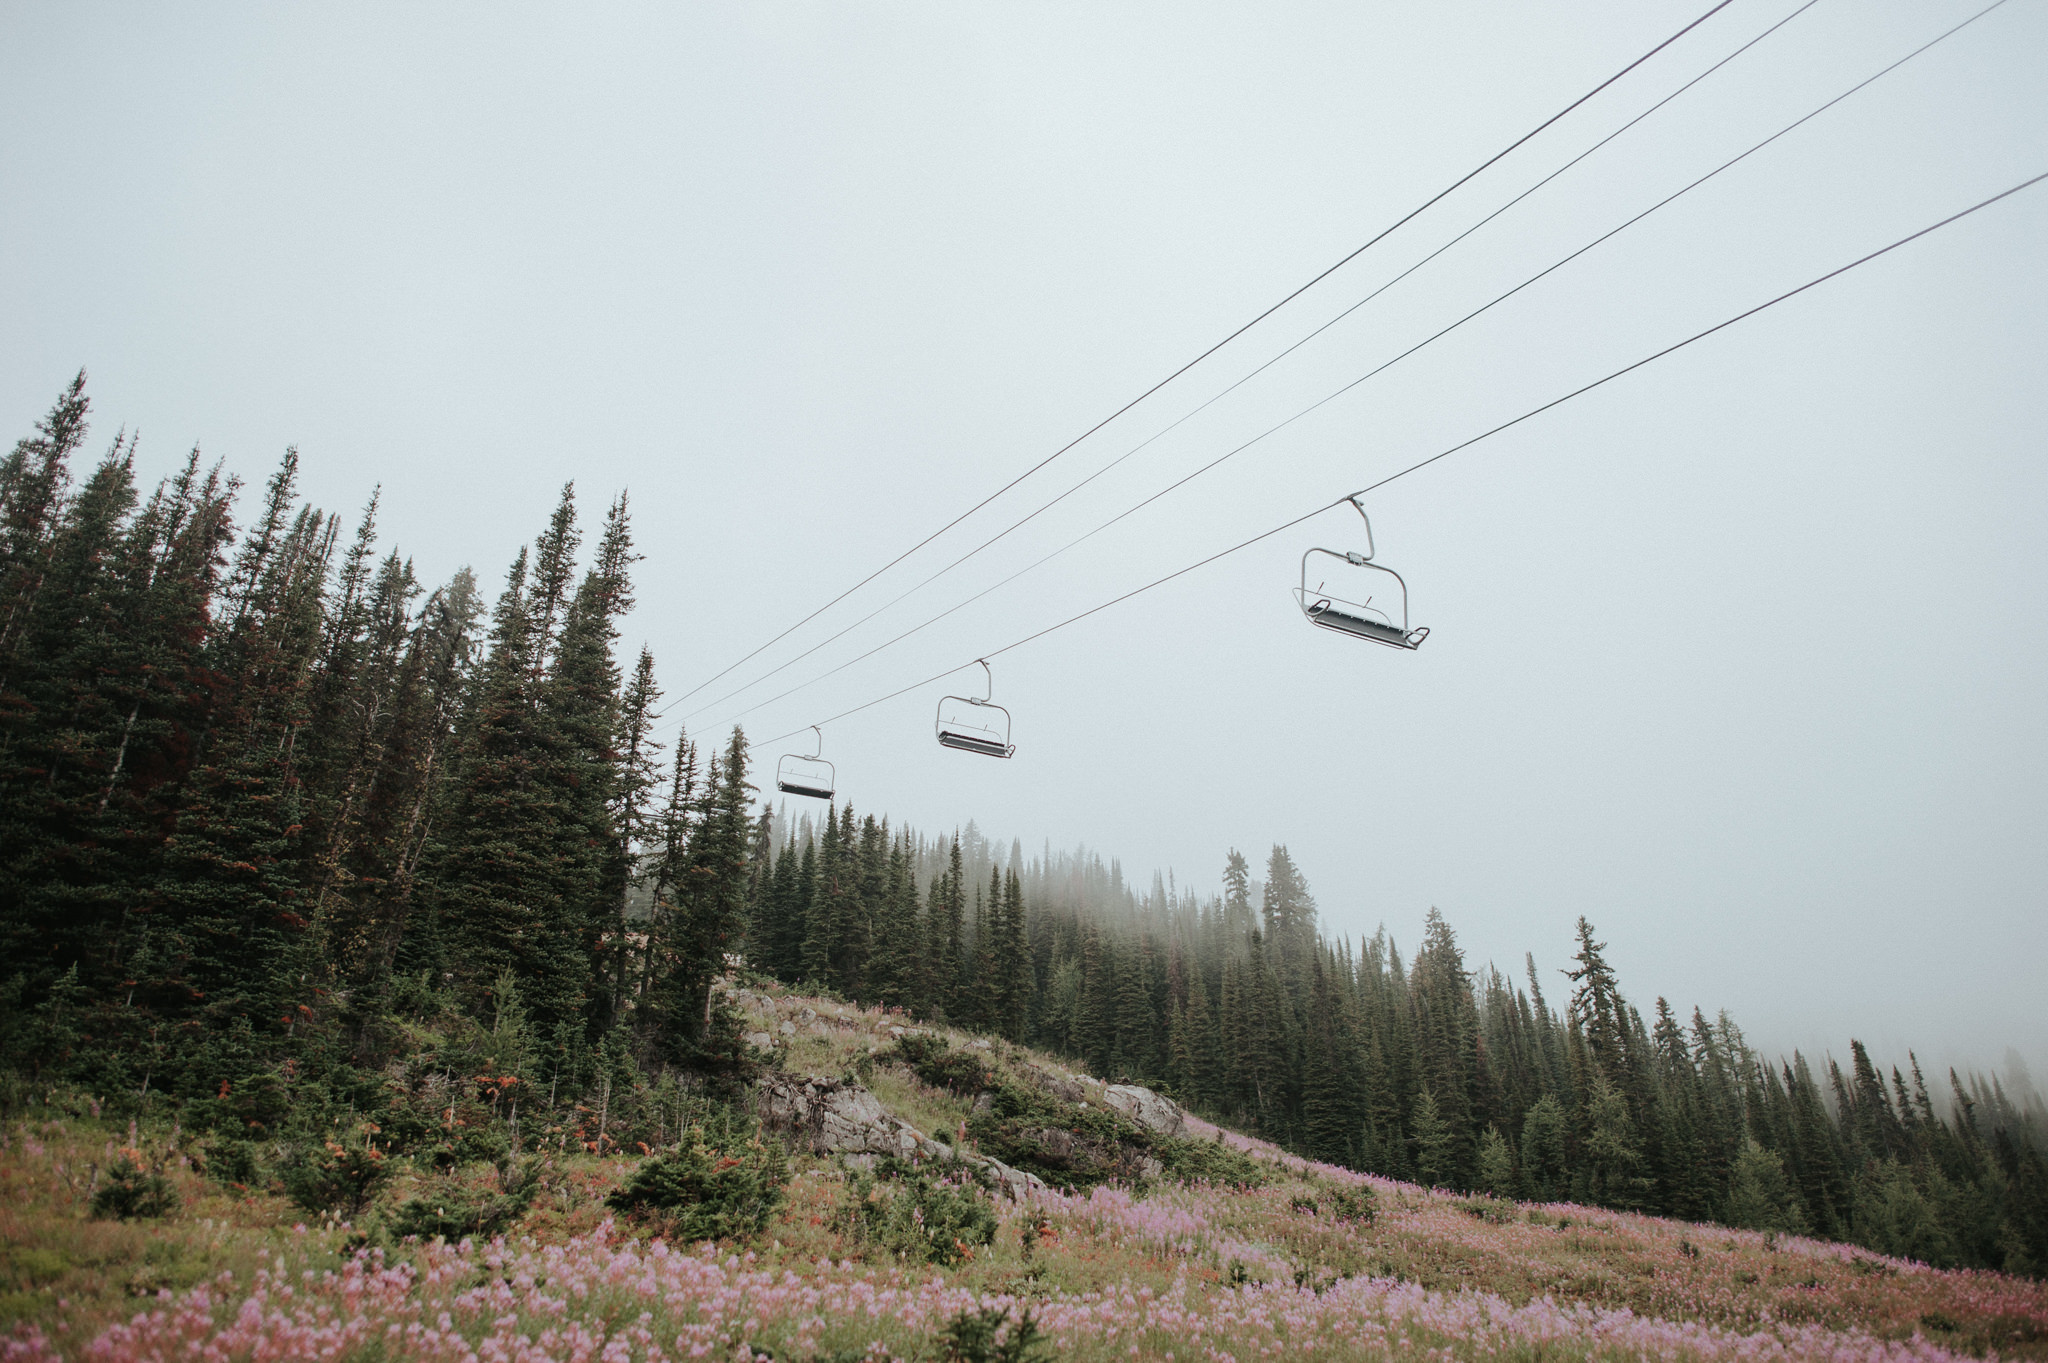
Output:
x=294 y=842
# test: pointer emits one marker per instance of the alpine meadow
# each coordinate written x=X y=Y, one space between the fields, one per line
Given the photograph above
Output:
x=380 y=984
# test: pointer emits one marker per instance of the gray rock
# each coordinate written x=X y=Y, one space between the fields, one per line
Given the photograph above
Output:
x=835 y=1118
x=1061 y=1086
x=760 y=1039
x=1015 y=1182
x=1146 y=1108
x=787 y=1029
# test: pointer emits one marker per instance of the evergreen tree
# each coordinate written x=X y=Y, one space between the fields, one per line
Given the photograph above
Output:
x=1435 y=1142
x=1546 y=1173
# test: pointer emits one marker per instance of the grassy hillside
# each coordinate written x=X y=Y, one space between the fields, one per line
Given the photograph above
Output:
x=1140 y=1243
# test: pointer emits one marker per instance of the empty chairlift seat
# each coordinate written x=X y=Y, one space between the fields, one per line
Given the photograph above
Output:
x=812 y=775
x=1359 y=605
x=974 y=724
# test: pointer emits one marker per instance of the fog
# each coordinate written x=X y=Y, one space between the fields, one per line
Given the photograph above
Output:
x=1741 y=656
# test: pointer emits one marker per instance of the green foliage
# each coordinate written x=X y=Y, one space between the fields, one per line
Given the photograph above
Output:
x=1492 y=1210
x=1760 y=1196
x=707 y=1188
x=1435 y=1142
x=987 y=1335
x=934 y=1060
x=918 y=1213
x=455 y=1210
x=131 y=1190
x=235 y=1163
x=1075 y=1147
x=1191 y=1161
x=1496 y=1164
x=1545 y=1173
x=1351 y=1202
x=338 y=1178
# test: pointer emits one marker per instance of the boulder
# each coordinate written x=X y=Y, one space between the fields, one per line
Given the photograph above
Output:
x=1061 y=1086
x=833 y=1118
x=1146 y=1108
x=1015 y=1182
x=760 y=1039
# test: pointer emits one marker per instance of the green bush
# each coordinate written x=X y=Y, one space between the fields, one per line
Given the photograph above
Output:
x=1070 y=1146
x=1489 y=1209
x=926 y=1218
x=234 y=1163
x=1210 y=1162
x=707 y=1188
x=979 y=1336
x=456 y=1211
x=133 y=1191
x=338 y=1178
x=934 y=1060
x=1352 y=1202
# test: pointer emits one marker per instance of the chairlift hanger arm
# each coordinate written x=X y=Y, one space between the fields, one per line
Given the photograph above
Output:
x=1359 y=507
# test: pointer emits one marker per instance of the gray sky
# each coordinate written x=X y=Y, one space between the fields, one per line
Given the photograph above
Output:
x=1741 y=656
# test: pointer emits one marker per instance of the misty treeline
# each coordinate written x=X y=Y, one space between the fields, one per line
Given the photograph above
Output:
x=312 y=852
x=1421 y=1069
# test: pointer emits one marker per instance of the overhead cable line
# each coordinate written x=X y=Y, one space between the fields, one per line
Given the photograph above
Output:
x=1247 y=378
x=1815 y=282
x=1383 y=235
x=1382 y=368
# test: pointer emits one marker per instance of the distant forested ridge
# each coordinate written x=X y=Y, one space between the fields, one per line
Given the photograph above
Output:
x=293 y=841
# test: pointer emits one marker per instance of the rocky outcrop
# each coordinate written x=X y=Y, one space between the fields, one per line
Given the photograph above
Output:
x=834 y=1118
x=1147 y=1108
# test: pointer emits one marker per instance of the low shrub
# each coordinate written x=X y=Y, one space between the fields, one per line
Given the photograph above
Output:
x=710 y=1187
x=987 y=1335
x=933 y=1059
x=234 y=1163
x=1214 y=1161
x=926 y=1216
x=1351 y=1202
x=338 y=1178
x=1491 y=1210
x=455 y=1211
x=1339 y=1202
x=133 y=1191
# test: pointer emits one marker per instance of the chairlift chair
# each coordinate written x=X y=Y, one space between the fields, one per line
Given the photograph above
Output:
x=975 y=724
x=1358 y=619
x=812 y=776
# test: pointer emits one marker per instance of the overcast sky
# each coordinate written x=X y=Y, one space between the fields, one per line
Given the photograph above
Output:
x=1742 y=656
